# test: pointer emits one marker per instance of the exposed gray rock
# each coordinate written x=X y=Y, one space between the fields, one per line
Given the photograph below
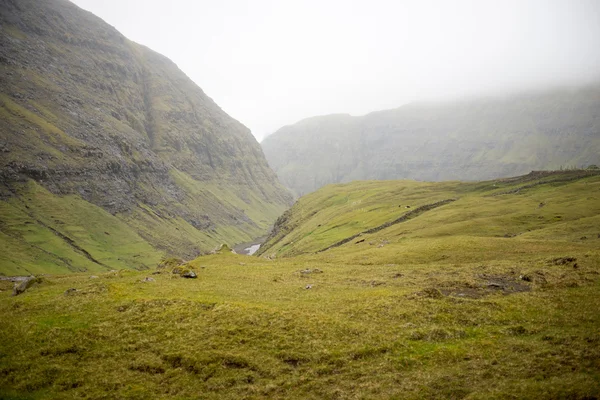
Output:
x=25 y=284
x=189 y=274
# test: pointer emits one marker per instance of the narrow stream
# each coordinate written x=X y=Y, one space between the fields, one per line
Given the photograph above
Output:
x=252 y=249
x=249 y=248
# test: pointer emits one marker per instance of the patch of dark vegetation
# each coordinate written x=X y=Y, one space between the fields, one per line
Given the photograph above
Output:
x=141 y=306
x=518 y=330
x=185 y=271
x=369 y=352
x=147 y=368
x=437 y=334
x=374 y=283
x=292 y=359
x=310 y=271
x=62 y=350
x=169 y=263
x=562 y=260
x=95 y=288
x=484 y=286
x=430 y=293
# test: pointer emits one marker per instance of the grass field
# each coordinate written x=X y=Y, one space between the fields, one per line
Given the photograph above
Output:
x=491 y=296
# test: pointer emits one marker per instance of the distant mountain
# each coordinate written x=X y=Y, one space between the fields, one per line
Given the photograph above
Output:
x=474 y=139
x=110 y=156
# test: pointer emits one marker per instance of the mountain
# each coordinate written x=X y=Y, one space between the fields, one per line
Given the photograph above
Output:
x=111 y=157
x=472 y=139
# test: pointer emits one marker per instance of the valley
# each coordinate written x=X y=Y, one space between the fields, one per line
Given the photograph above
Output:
x=476 y=298
x=152 y=248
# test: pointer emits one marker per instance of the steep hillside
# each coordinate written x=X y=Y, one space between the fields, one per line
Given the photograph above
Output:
x=468 y=140
x=112 y=152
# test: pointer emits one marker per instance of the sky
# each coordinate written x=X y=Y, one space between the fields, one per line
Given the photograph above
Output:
x=270 y=63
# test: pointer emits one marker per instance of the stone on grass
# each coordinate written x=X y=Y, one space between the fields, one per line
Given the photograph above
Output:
x=189 y=275
x=25 y=284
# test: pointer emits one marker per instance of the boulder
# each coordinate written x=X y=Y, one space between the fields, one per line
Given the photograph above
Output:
x=189 y=274
x=25 y=284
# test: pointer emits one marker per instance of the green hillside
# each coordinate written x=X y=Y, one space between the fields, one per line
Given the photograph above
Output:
x=98 y=133
x=475 y=139
x=491 y=296
x=534 y=205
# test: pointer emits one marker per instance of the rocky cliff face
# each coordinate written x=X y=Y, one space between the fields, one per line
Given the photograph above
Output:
x=466 y=140
x=85 y=112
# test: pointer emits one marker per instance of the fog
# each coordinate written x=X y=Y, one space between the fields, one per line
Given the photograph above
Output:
x=269 y=63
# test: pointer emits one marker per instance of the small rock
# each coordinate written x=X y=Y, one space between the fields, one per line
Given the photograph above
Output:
x=70 y=291
x=317 y=271
x=380 y=246
x=148 y=279
x=189 y=275
x=308 y=287
x=94 y=277
x=242 y=263
x=24 y=285
x=305 y=271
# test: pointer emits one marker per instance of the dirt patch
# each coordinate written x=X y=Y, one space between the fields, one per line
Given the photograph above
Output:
x=483 y=285
x=562 y=260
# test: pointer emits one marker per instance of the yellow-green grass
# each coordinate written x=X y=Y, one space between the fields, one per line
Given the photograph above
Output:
x=41 y=232
x=45 y=233
x=441 y=306
x=336 y=212
x=248 y=328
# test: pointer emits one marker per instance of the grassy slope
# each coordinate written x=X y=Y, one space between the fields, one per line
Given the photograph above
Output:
x=420 y=317
x=339 y=211
x=34 y=225
x=37 y=228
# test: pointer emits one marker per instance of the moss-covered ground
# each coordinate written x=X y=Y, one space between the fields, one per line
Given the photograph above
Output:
x=480 y=298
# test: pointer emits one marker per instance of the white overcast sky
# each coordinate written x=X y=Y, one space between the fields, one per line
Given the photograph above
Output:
x=270 y=63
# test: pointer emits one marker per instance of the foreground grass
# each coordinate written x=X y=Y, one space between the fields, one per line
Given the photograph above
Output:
x=248 y=328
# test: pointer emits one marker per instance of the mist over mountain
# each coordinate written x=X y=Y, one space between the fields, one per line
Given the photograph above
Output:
x=474 y=139
x=110 y=150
